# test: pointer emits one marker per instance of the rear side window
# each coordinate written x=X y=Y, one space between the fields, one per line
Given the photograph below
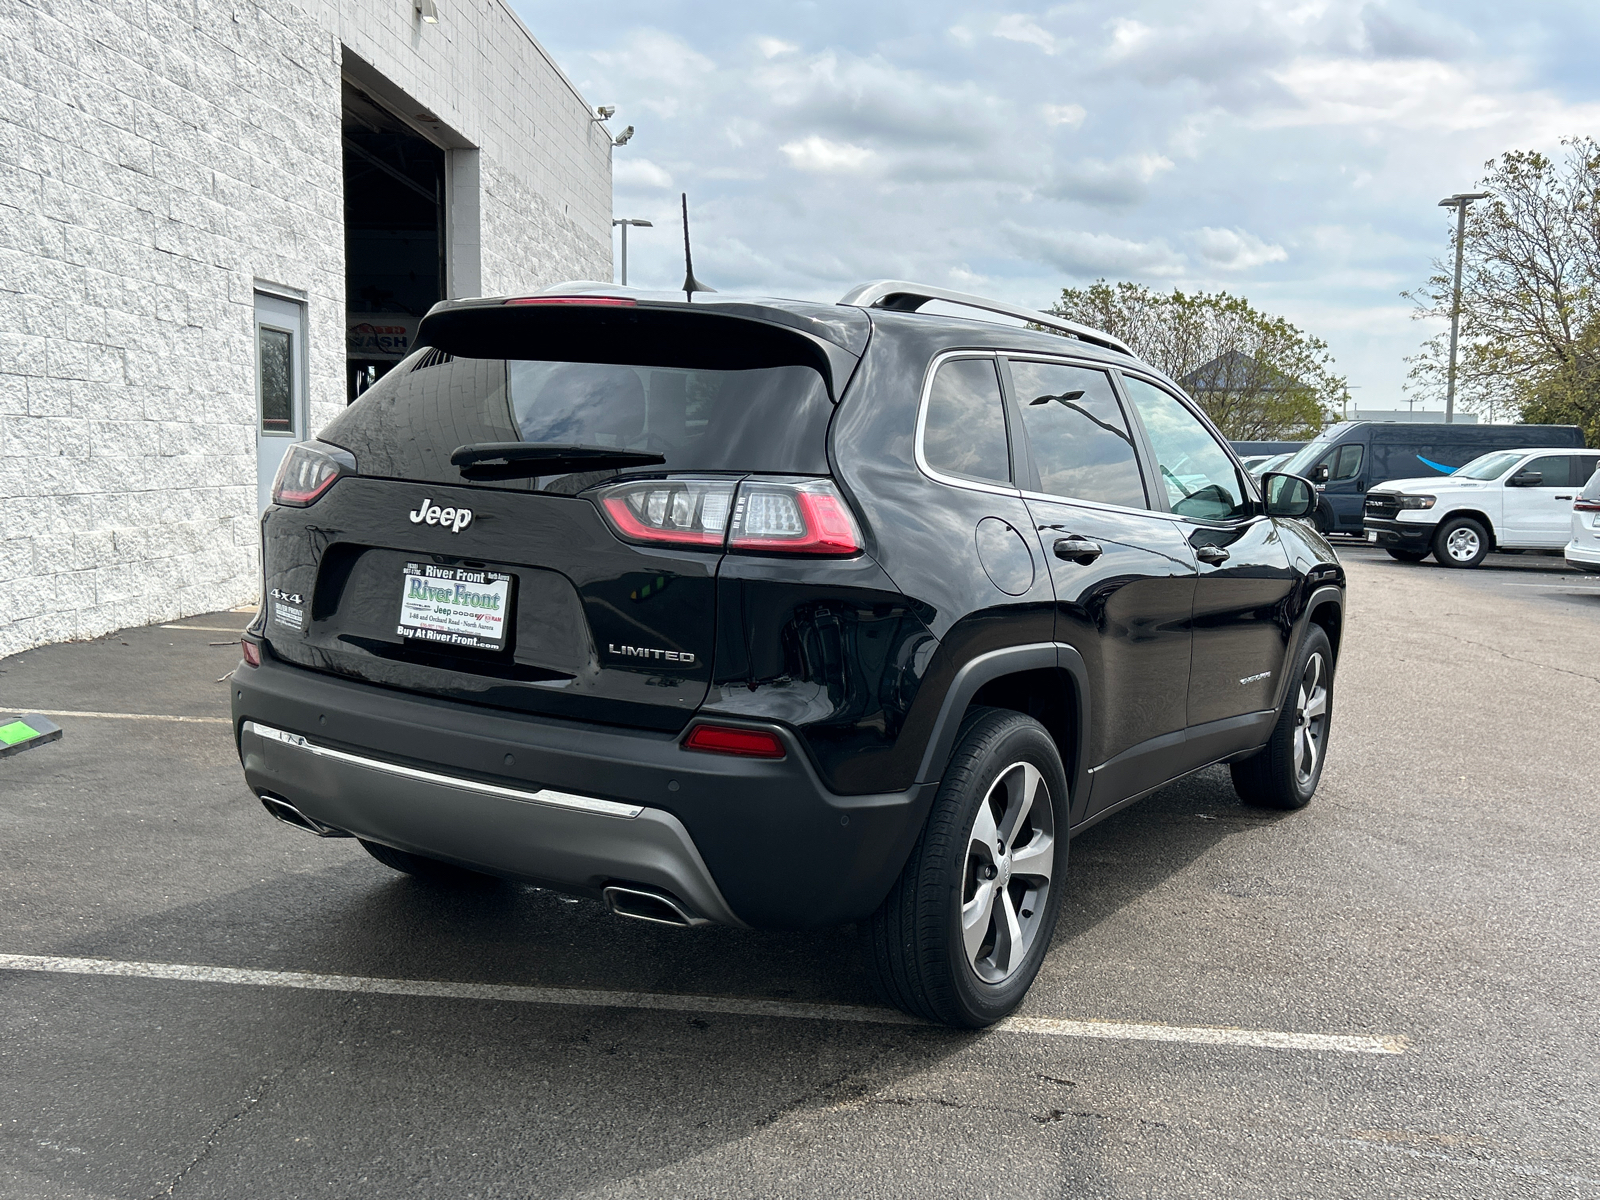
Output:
x=1077 y=433
x=762 y=419
x=964 y=431
x=1200 y=479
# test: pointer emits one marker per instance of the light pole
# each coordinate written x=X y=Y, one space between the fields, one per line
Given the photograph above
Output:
x=625 y=222
x=1459 y=202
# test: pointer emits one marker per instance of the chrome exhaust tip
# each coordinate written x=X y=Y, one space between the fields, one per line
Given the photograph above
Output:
x=290 y=815
x=659 y=908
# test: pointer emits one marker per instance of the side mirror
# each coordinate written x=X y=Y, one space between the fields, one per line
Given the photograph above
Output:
x=1288 y=495
x=1319 y=473
x=1526 y=479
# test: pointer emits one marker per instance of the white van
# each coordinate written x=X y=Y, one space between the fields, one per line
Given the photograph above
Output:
x=1583 y=551
x=1504 y=500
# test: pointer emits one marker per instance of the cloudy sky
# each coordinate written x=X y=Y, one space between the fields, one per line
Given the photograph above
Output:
x=1293 y=153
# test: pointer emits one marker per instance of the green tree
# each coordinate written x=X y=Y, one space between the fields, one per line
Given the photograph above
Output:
x=1530 y=294
x=1257 y=376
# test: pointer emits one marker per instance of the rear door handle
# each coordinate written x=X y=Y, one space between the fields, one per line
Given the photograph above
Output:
x=1211 y=554
x=1563 y=497
x=1077 y=549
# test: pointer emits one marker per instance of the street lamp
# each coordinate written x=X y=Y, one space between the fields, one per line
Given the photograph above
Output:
x=625 y=222
x=1460 y=201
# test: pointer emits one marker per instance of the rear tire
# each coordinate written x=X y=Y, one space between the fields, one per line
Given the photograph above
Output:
x=1406 y=555
x=429 y=869
x=1284 y=774
x=1460 y=542
x=966 y=927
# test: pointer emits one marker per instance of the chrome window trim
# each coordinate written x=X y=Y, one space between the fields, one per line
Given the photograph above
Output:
x=1103 y=507
x=547 y=797
x=938 y=476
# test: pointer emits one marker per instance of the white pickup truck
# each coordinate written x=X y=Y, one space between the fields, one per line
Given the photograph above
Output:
x=1507 y=500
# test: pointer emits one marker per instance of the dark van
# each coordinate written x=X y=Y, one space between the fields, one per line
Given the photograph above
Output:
x=1347 y=459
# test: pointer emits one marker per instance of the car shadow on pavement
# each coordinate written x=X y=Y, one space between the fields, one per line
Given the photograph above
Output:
x=561 y=1098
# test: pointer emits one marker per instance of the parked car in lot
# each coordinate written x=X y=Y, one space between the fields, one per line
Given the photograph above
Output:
x=1349 y=459
x=1508 y=500
x=779 y=615
x=1583 y=551
x=1260 y=464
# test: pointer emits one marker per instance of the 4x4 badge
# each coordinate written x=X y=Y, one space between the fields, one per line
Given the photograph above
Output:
x=429 y=513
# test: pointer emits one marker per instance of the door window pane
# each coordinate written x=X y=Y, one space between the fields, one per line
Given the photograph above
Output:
x=277 y=376
x=1555 y=469
x=1584 y=471
x=1198 y=474
x=1347 y=462
x=965 y=430
x=1078 y=434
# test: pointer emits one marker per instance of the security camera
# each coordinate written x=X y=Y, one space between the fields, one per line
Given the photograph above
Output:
x=622 y=138
x=606 y=111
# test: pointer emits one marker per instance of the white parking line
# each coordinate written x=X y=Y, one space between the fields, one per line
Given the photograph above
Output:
x=208 y=628
x=61 y=712
x=668 y=1002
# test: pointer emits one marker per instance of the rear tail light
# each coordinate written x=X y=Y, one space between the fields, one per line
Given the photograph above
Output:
x=808 y=517
x=670 y=512
x=308 y=471
x=1582 y=505
x=759 y=514
x=729 y=739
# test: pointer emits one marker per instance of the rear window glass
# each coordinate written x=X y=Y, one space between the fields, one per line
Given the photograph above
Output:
x=763 y=419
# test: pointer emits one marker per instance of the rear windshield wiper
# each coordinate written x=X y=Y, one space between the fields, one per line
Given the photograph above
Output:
x=523 y=460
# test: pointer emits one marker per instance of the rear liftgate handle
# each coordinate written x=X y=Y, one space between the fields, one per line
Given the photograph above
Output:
x=1211 y=554
x=1080 y=550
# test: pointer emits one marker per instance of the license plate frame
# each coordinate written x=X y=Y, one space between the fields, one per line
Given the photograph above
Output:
x=462 y=608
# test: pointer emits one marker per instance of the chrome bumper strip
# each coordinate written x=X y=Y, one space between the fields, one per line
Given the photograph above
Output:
x=545 y=796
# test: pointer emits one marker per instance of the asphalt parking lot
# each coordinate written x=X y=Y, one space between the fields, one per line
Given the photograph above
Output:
x=1392 y=993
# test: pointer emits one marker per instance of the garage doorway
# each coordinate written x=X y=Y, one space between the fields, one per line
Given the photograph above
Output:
x=394 y=219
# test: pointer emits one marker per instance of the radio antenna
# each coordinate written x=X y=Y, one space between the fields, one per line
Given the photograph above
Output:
x=691 y=285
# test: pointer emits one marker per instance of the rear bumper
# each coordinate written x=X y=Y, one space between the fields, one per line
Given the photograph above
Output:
x=740 y=841
x=1581 y=557
x=1401 y=535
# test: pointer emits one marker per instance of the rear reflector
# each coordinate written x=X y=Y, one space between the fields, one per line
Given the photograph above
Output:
x=726 y=739
x=251 y=652
x=600 y=301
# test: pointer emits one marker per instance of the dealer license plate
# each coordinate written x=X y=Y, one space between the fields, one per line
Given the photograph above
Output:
x=455 y=606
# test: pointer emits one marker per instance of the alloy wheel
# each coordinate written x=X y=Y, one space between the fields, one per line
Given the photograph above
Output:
x=1311 y=719
x=1010 y=855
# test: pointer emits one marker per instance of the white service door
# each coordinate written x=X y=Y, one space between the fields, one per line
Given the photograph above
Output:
x=280 y=387
x=1540 y=516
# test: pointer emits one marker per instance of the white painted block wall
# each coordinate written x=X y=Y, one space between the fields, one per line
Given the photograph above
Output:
x=155 y=161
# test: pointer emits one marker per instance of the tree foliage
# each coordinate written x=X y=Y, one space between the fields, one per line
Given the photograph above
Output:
x=1257 y=376
x=1530 y=294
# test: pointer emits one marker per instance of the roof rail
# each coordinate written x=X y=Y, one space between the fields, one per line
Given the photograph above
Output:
x=899 y=296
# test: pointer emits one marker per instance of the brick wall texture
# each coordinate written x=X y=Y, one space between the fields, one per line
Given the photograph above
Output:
x=157 y=158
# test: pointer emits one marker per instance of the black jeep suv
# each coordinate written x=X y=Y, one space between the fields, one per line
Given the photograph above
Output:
x=779 y=614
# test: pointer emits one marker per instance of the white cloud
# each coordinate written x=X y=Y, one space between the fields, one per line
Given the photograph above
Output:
x=638 y=172
x=1071 y=115
x=1234 y=249
x=1015 y=27
x=1085 y=255
x=1117 y=184
x=819 y=154
x=771 y=47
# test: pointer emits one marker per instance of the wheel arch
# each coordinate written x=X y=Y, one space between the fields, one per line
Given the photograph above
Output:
x=1046 y=681
x=1478 y=515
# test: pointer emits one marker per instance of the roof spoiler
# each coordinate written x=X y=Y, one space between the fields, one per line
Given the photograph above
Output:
x=897 y=295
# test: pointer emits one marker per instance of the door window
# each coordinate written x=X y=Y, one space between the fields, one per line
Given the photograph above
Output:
x=1078 y=434
x=1583 y=469
x=1555 y=470
x=1345 y=463
x=1200 y=479
x=964 y=430
x=275 y=353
